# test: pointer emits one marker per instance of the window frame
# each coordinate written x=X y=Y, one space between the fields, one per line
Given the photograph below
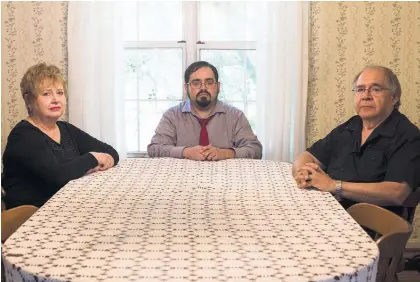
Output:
x=191 y=47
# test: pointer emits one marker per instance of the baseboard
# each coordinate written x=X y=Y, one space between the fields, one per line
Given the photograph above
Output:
x=413 y=245
x=408 y=276
x=412 y=249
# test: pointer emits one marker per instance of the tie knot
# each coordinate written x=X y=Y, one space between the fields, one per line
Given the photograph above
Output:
x=204 y=121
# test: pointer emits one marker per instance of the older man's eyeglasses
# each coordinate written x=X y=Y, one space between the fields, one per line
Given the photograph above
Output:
x=209 y=83
x=371 y=90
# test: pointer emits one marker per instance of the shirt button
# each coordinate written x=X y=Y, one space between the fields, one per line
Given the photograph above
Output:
x=342 y=169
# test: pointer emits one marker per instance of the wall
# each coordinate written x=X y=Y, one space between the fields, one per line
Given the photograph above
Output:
x=31 y=32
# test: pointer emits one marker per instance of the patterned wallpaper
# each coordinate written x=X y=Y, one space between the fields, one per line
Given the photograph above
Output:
x=31 y=32
x=346 y=36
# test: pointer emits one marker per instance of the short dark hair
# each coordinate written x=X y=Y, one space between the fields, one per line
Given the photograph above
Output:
x=198 y=65
x=392 y=79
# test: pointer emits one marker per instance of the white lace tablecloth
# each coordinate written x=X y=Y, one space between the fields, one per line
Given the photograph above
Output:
x=181 y=220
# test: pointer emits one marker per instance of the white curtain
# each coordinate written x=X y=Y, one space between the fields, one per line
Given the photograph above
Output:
x=95 y=71
x=282 y=79
x=96 y=80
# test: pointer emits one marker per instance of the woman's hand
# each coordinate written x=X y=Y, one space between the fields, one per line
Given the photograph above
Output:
x=105 y=161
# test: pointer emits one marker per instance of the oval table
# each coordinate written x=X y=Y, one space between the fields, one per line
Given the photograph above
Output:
x=179 y=220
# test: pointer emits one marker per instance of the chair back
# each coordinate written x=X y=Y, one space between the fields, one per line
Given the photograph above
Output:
x=395 y=232
x=3 y=204
x=410 y=205
x=12 y=219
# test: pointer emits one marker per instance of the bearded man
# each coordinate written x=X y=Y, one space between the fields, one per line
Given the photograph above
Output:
x=202 y=128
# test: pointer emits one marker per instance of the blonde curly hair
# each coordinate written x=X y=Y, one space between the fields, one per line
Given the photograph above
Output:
x=29 y=85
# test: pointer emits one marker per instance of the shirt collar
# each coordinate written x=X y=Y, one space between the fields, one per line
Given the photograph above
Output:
x=354 y=123
x=387 y=128
x=389 y=125
x=218 y=108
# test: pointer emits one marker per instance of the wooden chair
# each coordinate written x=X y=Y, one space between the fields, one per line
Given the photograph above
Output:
x=395 y=232
x=3 y=205
x=410 y=205
x=12 y=219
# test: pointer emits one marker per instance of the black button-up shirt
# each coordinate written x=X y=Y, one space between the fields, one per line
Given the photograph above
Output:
x=391 y=152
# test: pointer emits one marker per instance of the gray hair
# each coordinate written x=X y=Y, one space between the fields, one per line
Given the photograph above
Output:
x=392 y=79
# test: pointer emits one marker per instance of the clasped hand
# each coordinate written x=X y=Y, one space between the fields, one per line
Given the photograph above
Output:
x=311 y=175
x=105 y=161
x=207 y=153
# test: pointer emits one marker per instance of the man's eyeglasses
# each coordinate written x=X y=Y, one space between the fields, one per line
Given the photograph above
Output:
x=209 y=83
x=372 y=90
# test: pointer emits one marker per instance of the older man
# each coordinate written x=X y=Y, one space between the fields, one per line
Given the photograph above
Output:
x=202 y=127
x=373 y=157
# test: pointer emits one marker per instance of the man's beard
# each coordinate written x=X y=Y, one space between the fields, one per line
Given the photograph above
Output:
x=203 y=99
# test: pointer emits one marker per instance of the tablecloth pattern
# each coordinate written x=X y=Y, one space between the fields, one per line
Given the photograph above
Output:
x=180 y=220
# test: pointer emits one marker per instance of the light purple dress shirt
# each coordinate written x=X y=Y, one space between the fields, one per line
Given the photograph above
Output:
x=228 y=129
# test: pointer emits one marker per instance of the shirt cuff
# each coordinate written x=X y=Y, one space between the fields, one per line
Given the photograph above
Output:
x=176 y=152
x=240 y=153
x=91 y=161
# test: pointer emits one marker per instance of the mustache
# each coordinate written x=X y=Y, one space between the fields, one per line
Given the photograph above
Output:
x=203 y=91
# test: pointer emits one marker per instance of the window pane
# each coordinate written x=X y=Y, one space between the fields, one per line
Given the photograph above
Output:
x=251 y=114
x=237 y=72
x=153 y=21
x=131 y=126
x=251 y=79
x=158 y=73
x=230 y=21
x=149 y=116
x=238 y=105
x=249 y=109
x=131 y=86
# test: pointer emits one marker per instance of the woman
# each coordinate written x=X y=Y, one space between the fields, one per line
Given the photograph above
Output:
x=42 y=153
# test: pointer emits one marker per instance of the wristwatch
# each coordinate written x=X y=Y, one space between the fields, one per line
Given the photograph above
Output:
x=338 y=190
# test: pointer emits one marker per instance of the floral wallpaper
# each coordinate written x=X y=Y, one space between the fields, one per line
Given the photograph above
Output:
x=31 y=32
x=344 y=37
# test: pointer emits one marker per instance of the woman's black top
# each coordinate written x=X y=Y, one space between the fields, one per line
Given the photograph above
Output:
x=35 y=167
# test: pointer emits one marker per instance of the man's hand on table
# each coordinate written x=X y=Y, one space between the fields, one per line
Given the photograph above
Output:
x=194 y=153
x=207 y=153
x=311 y=175
x=301 y=178
x=216 y=154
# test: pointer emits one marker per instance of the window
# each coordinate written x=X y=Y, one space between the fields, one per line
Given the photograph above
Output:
x=163 y=38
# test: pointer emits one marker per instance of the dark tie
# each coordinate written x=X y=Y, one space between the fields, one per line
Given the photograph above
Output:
x=204 y=136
